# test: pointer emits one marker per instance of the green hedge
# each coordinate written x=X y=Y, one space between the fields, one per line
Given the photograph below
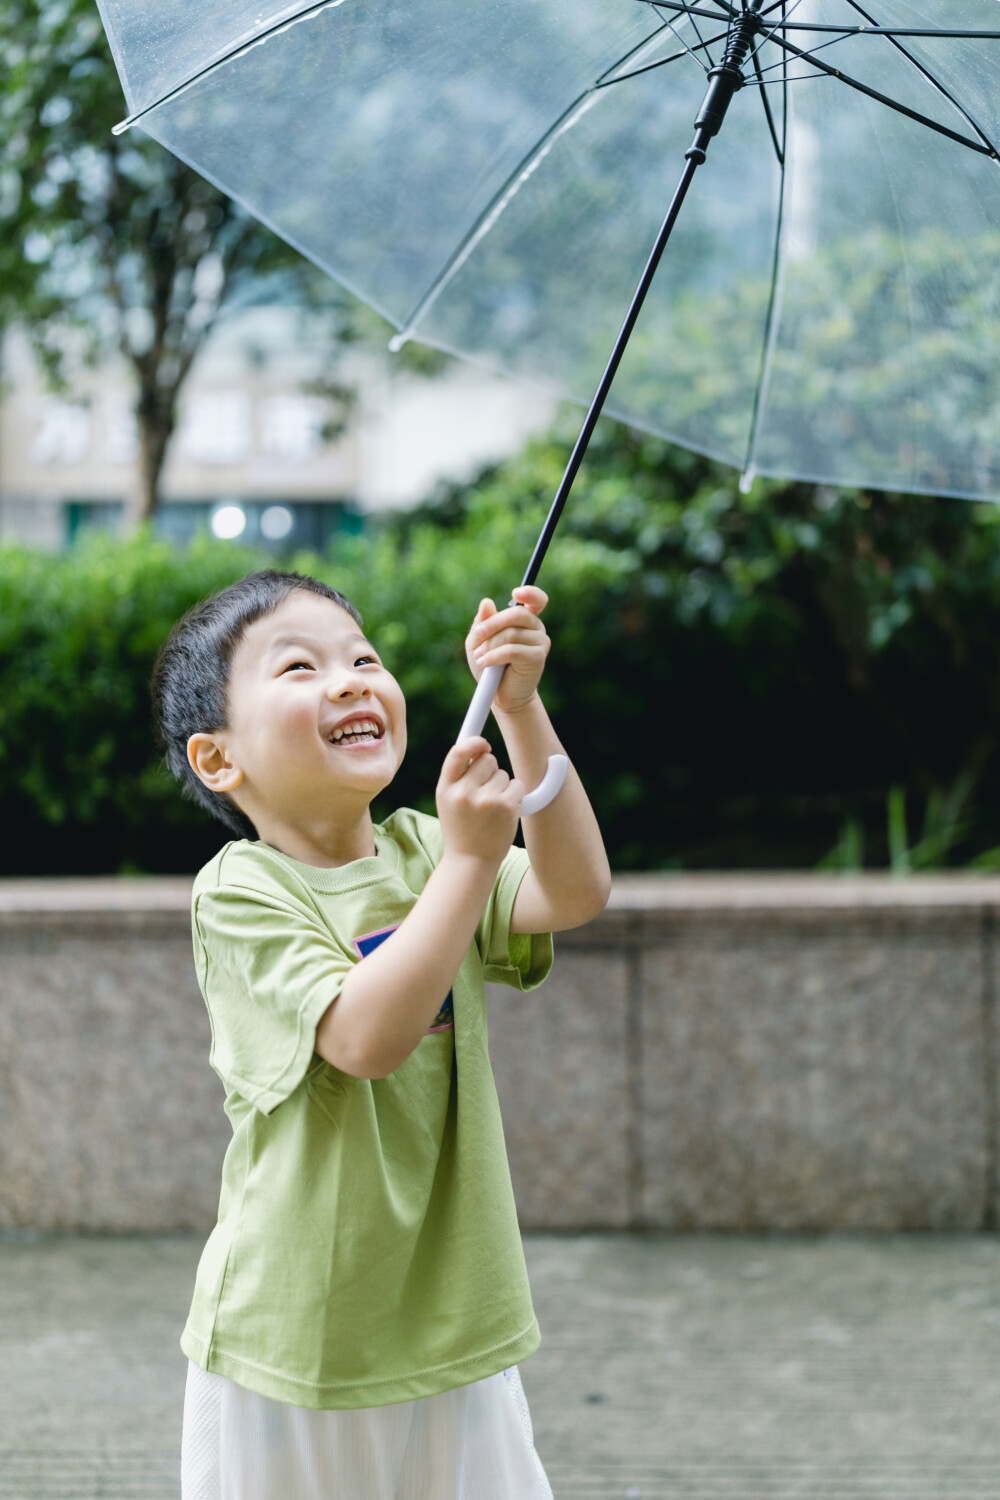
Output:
x=743 y=680
x=81 y=784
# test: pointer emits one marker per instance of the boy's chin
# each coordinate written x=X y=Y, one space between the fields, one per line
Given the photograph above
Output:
x=371 y=779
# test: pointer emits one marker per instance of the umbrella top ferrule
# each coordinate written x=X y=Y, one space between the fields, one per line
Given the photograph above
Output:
x=741 y=35
x=724 y=80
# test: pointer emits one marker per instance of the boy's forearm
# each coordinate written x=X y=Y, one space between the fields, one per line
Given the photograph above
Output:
x=387 y=1002
x=568 y=860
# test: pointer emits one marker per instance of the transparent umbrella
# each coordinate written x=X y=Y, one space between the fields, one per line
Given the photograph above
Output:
x=490 y=177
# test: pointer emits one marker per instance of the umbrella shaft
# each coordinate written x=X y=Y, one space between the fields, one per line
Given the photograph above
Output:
x=724 y=81
x=596 y=406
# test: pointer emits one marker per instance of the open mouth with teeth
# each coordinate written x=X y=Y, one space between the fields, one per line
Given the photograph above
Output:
x=361 y=731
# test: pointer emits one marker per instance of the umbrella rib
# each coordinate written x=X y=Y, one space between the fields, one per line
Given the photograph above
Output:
x=771 y=322
x=872 y=30
x=651 y=67
x=679 y=8
x=806 y=56
x=863 y=88
x=674 y=32
x=243 y=45
x=520 y=174
x=767 y=108
x=768 y=83
x=932 y=78
x=701 y=39
x=782 y=23
x=632 y=52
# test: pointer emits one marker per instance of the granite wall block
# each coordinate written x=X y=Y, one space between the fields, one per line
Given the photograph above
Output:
x=110 y=1116
x=561 y=1060
x=802 y=1074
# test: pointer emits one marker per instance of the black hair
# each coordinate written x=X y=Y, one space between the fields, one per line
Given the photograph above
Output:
x=191 y=677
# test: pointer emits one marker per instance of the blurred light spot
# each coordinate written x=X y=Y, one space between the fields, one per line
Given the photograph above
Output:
x=55 y=111
x=37 y=247
x=276 y=522
x=229 y=521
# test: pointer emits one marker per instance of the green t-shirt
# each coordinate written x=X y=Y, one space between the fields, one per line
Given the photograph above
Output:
x=367 y=1249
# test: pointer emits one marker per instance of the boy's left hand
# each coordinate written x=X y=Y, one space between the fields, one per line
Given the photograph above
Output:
x=514 y=638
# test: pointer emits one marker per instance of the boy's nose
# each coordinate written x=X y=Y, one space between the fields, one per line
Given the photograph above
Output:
x=351 y=686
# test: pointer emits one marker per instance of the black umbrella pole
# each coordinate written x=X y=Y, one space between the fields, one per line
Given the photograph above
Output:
x=597 y=405
x=724 y=80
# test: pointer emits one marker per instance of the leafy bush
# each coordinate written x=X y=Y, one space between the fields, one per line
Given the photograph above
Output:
x=743 y=680
x=755 y=674
x=81 y=787
x=81 y=783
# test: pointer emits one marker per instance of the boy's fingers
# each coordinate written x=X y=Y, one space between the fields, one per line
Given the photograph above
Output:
x=532 y=597
x=507 y=619
x=528 y=604
x=511 y=635
x=482 y=771
x=485 y=610
x=496 y=782
x=456 y=762
x=521 y=658
x=511 y=648
x=477 y=769
x=480 y=626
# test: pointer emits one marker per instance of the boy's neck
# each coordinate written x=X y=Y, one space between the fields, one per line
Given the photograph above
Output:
x=324 y=846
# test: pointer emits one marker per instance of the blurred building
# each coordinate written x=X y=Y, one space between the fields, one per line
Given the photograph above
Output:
x=260 y=451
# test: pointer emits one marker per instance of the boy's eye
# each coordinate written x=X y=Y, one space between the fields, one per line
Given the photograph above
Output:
x=295 y=666
x=366 y=661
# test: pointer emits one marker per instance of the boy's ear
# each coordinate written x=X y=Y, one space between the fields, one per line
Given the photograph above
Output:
x=209 y=760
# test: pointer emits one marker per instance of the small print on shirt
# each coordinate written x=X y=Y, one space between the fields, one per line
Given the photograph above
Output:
x=369 y=941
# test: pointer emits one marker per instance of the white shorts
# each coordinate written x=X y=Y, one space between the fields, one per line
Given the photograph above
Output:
x=473 y=1443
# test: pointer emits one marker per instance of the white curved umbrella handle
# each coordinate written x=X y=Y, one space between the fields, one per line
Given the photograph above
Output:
x=474 y=723
x=548 y=788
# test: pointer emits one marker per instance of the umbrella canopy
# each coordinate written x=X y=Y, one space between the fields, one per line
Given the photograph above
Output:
x=490 y=177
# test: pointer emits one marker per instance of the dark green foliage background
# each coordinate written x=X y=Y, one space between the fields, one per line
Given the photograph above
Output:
x=735 y=675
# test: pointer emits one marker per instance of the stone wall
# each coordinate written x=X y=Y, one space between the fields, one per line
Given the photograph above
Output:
x=714 y=1052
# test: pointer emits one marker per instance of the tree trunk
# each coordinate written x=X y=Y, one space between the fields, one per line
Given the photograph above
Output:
x=156 y=419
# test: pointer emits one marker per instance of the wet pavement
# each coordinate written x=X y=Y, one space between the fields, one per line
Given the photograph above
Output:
x=701 y=1367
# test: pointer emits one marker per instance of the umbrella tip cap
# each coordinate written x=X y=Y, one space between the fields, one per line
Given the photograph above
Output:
x=398 y=340
x=746 y=481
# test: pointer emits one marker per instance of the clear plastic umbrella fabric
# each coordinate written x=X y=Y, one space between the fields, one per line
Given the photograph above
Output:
x=490 y=175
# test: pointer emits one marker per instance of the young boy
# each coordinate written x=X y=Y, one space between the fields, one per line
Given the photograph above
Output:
x=361 y=1306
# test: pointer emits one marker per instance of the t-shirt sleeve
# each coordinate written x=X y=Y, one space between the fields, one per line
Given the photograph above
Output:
x=268 y=970
x=510 y=958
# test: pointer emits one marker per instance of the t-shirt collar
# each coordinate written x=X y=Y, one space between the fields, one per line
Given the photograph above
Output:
x=359 y=872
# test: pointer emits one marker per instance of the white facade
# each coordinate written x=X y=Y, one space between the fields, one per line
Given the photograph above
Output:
x=251 y=429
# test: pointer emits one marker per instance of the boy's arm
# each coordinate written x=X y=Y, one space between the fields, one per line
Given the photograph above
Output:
x=569 y=881
x=388 y=1001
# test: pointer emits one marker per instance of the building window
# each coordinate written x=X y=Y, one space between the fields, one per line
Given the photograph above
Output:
x=63 y=435
x=291 y=427
x=216 y=428
x=93 y=515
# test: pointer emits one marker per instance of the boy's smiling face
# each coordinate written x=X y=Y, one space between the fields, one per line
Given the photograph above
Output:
x=317 y=725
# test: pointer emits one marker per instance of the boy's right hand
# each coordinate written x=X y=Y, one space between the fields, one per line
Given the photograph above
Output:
x=478 y=803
